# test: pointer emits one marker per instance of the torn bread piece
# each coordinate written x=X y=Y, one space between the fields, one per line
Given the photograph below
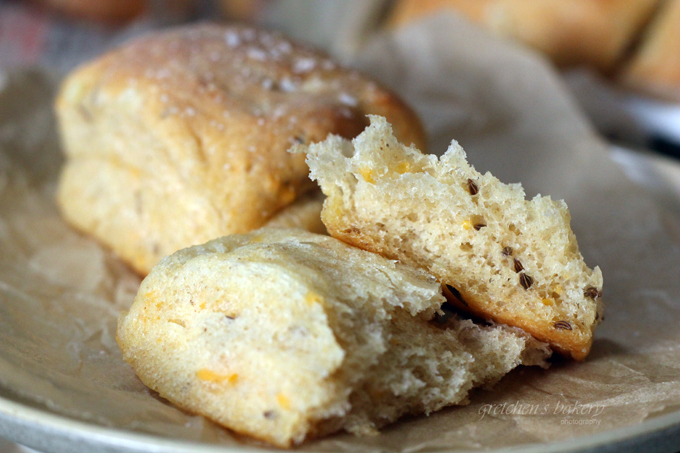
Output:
x=283 y=335
x=499 y=256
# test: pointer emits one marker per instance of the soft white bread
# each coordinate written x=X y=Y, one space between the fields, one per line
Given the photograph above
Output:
x=503 y=257
x=284 y=335
x=180 y=136
x=655 y=67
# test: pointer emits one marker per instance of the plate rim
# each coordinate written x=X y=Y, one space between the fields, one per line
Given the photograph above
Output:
x=16 y=414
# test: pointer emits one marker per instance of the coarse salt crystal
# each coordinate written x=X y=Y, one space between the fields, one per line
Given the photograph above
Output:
x=287 y=85
x=303 y=65
x=285 y=47
x=279 y=111
x=347 y=99
x=257 y=54
x=232 y=39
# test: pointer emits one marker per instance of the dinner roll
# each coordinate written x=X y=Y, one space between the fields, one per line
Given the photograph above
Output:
x=500 y=256
x=655 y=67
x=180 y=137
x=573 y=32
x=284 y=335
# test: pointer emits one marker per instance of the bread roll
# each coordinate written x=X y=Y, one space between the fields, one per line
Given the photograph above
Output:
x=500 y=256
x=181 y=136
x=284 y=335
x=655 y=67
x=573 y=32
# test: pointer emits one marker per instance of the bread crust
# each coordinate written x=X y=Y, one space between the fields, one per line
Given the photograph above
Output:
x=565 y=342
x=181 y=136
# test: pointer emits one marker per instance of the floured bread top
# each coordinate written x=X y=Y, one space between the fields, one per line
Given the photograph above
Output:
x=242 y=70
x=180 y=136
x=499 y=256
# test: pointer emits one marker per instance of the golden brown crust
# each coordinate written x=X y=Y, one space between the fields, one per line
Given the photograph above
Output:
x=594 y=32
x=181 y=137
x=655 y=68
x=561 y=341
x=565 y=342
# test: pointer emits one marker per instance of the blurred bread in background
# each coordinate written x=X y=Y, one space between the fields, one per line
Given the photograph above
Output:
x=242 y=10
x=655 y=67
x=99 y=10
x=636 y=42
x=573 y=32
x=120 y=11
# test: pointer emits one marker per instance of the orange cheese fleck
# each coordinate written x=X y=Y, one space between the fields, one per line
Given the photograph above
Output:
x=313 y=298
x=207 y=375
x=283 y=401
x=403 y=167
x=367 y=174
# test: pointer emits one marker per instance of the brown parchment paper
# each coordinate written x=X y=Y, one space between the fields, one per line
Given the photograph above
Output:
x=60 y=292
